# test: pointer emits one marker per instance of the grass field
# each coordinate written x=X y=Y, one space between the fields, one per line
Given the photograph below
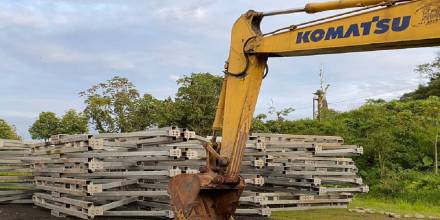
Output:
x=7 y=173
x=398 y=207
x=11 y=186
x=326 y=214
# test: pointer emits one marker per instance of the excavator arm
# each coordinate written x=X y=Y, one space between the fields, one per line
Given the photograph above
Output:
x=374 y=25
x=393 y=26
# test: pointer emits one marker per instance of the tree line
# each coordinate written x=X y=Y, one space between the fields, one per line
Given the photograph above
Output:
x=399 y=139
x=398 y=136
x=117 y=106
x=48 y=124
x=7 y=131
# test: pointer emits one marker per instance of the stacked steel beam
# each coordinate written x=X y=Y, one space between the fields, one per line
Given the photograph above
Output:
x=103 y=175
x=127 y=174
x=282 y=172
x=297 y=172
x=15 y=173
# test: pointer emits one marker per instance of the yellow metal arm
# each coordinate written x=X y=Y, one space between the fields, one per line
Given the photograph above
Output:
x=411 y=24
x=333 y=5
x=239 y=94
x=340 y=4
x=214 y=193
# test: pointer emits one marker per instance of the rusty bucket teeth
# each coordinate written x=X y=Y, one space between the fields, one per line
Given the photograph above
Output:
x=184 y=190
x=194 y=198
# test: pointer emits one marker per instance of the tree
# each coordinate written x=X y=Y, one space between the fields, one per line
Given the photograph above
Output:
x=259 y=124
x=196 y=101
x=7 y=131
x=282 y=114
x=46 y=125
x=73 y=123
x=110 y=105
x=116 y=106
x=148 y=112
x=396 y=135
x=431 y=72
x=168 y=113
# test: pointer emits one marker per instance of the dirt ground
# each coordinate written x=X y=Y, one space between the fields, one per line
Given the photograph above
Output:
x=31 y=212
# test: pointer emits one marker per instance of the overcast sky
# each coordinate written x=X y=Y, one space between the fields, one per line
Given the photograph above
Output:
x=51 y=50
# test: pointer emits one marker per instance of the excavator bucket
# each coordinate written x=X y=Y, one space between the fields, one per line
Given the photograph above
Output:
x=192 y=199
x=184 y=191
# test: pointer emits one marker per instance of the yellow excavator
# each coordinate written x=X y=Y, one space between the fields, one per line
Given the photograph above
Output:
x=370 y=25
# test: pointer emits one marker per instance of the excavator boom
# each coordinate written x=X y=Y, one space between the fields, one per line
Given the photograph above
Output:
x=375 y=25
x=409 y=24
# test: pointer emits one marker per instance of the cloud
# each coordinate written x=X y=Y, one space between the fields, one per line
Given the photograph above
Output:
x=9 y=18
x=65 y=14
x=185 y=11
x=180 y=14
x=51 y=50
x=52 y=53
x=174 y=77
x=28 y=115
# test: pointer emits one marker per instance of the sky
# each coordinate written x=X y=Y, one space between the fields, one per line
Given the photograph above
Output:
x=52 y=50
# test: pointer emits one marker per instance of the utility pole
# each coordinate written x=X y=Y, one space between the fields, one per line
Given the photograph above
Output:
x=321 y=77
x=436 y=150
x=320 y=100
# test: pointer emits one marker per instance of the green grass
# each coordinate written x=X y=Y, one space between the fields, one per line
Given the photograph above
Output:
x=12 y=187
x=326 y=214
x=13 y=181
x=7 y=173
x=395 y=206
